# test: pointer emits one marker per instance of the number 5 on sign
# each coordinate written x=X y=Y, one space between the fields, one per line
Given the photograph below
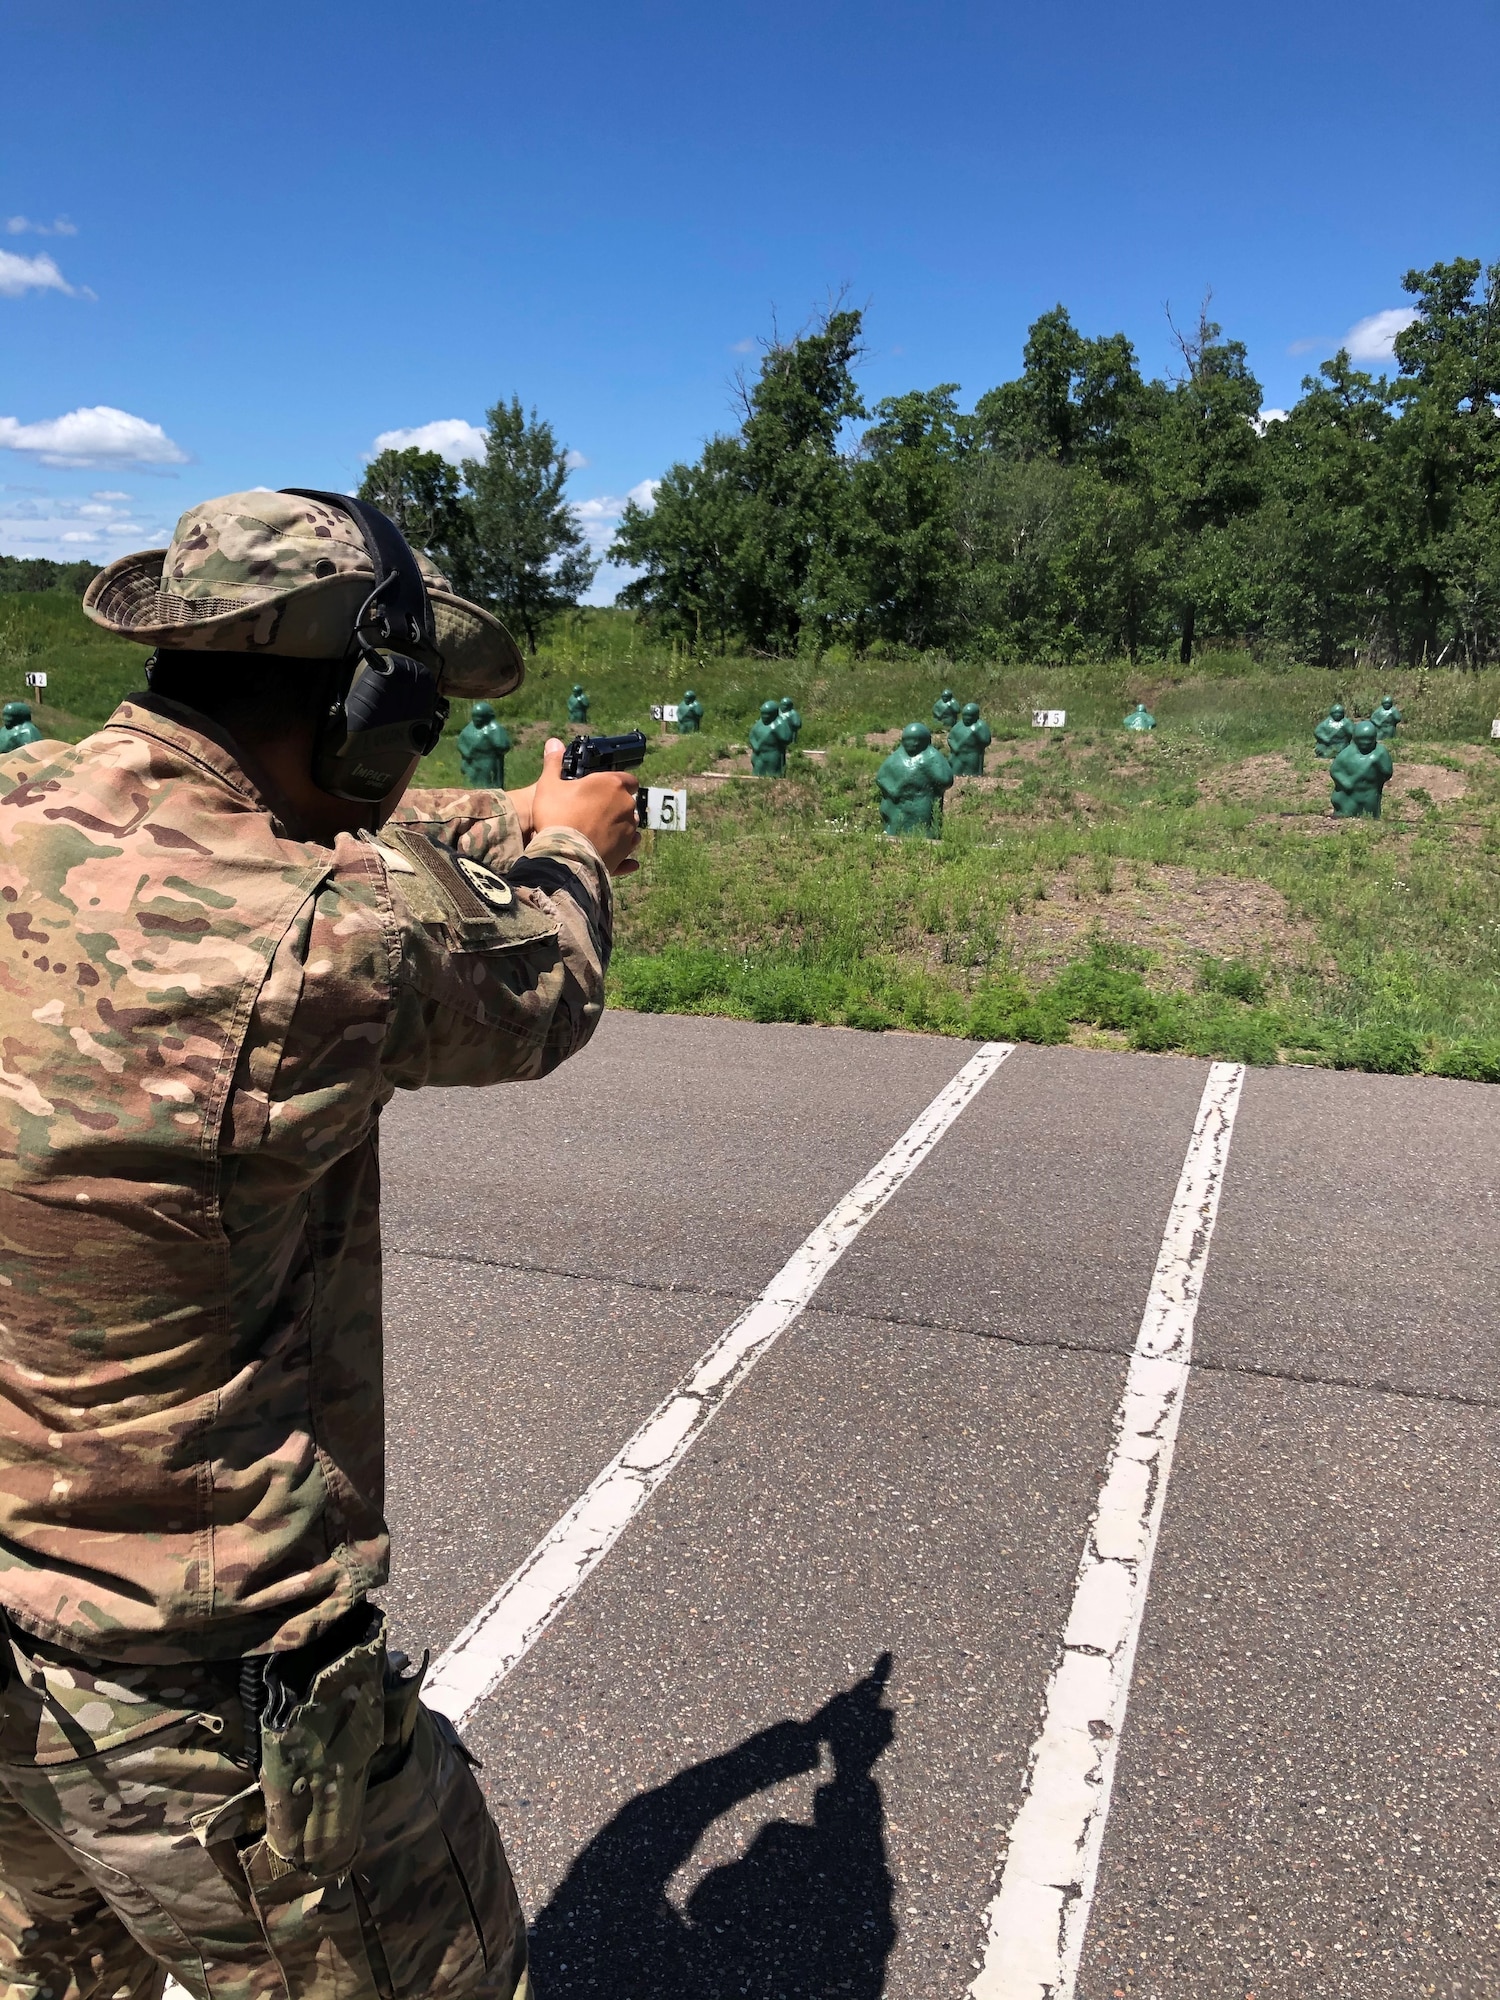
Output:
x=666 y=812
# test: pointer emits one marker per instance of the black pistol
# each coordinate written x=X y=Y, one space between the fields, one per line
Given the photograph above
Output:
x=586 y=754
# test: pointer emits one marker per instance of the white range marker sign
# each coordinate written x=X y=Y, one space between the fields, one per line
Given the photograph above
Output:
x=664 y=711
x=1049 y=718
x=40 y=681
x=1495 y=727
x=666 y=812
x=1040 y=1912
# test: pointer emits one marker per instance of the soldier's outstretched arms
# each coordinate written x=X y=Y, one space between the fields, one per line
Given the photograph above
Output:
x=501 y=948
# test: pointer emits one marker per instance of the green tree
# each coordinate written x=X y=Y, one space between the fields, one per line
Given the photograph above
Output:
x=906 y=492
x=771 y=508
x=1012 y=520
x=422 y=493
x=1202 y=463
x=1447 y=448
x=1323 y=561
x=796 y=570
x=687 y=546
x=524 y=551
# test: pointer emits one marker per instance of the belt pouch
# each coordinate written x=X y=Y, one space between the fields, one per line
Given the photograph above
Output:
x=315 y=1763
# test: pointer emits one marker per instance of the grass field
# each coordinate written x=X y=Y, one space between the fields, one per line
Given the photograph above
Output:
x=1184 y=890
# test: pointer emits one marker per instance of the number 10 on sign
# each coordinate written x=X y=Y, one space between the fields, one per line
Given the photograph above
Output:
x=666 y=812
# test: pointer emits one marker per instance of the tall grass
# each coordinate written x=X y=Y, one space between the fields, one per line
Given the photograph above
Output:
x=784 y=901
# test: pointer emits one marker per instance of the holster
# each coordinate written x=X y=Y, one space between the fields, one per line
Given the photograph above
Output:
x=316 y=1750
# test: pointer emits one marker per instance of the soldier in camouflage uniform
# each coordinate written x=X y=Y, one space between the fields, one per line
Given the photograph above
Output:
x=216 y=975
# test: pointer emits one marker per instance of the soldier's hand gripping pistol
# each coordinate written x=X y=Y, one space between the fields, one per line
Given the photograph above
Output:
x=586 y=754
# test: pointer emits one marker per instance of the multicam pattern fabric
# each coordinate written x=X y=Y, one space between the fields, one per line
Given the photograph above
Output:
x=132 y=1844
x=200 y=1019
x=278 y=573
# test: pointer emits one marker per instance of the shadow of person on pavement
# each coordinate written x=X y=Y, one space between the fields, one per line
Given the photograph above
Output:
x=804 y=1914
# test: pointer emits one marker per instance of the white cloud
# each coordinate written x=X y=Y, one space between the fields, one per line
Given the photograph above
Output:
x=452 y=436
x=600 y=516
x=98 y=528
x=100 y=436
x=743 y=347
x=19 y=275
x=18 y=225
x=1269 y=417
x=1373 y=338
x=576 y=459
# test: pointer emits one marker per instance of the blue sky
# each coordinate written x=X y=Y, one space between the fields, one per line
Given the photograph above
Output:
x=256 y=241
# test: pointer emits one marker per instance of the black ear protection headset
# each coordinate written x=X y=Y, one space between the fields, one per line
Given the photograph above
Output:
x=386 y=713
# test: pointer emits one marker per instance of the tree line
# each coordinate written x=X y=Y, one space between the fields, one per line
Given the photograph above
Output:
x=26 y=573
x=1082 y=510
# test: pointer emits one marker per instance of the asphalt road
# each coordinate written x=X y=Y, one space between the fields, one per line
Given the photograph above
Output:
x=775 y=1743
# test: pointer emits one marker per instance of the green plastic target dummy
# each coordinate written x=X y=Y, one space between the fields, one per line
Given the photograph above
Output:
x=911 y=783
x=1140 y=717
x=578 y=704
x=770 y=739
x=1333 y=732
x=790 y=714
x=945 y=710
x=1360 y=773
x=689 y=715
x=968 y=739
x=1386 y=717
x=482 y=746
x=17 y=727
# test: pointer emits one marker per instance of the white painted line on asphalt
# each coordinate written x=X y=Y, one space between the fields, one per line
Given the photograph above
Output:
x=1040 y=1912
x=521 y=1610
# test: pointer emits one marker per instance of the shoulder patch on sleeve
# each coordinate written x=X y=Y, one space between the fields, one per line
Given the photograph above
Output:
x=489 y=887
x=478 y=909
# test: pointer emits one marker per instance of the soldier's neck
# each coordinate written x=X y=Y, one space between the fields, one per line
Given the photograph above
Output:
x=280 y=765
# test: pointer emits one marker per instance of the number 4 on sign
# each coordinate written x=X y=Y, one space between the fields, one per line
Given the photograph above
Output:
x=666 y=812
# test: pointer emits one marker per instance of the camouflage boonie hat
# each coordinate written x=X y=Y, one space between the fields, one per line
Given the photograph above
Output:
x=279 y=574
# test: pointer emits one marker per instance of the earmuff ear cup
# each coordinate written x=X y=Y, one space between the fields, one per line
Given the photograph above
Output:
x=387 y=717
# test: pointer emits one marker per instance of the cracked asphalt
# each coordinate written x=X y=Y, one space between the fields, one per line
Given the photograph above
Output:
x=774 y=1744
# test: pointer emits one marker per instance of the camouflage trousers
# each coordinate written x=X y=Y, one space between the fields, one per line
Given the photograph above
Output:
x=132 y=1846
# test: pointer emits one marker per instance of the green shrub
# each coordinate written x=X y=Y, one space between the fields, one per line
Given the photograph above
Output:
x=1041 y=1024
x=995 y=1010
x=1477 y=1061
x=1240 y=1038
x=1386 y=1051
x=1102 y=996
x=1154 y=1034
x=783 y=993
x=865 y=1014
x=1234 y=978
x=669 y=982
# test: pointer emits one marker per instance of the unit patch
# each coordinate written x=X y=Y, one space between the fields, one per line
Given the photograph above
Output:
x=495 y=891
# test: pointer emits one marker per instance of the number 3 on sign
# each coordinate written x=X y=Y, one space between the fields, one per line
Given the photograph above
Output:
x=666 y=812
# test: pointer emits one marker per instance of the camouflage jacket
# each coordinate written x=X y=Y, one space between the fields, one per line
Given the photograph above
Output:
x=200 y=1019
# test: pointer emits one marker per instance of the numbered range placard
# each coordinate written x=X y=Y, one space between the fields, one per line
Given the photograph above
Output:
x=36 y=680
x=666 y=811
x=664 y=711
x=1049 y=718
x=1495 y=727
